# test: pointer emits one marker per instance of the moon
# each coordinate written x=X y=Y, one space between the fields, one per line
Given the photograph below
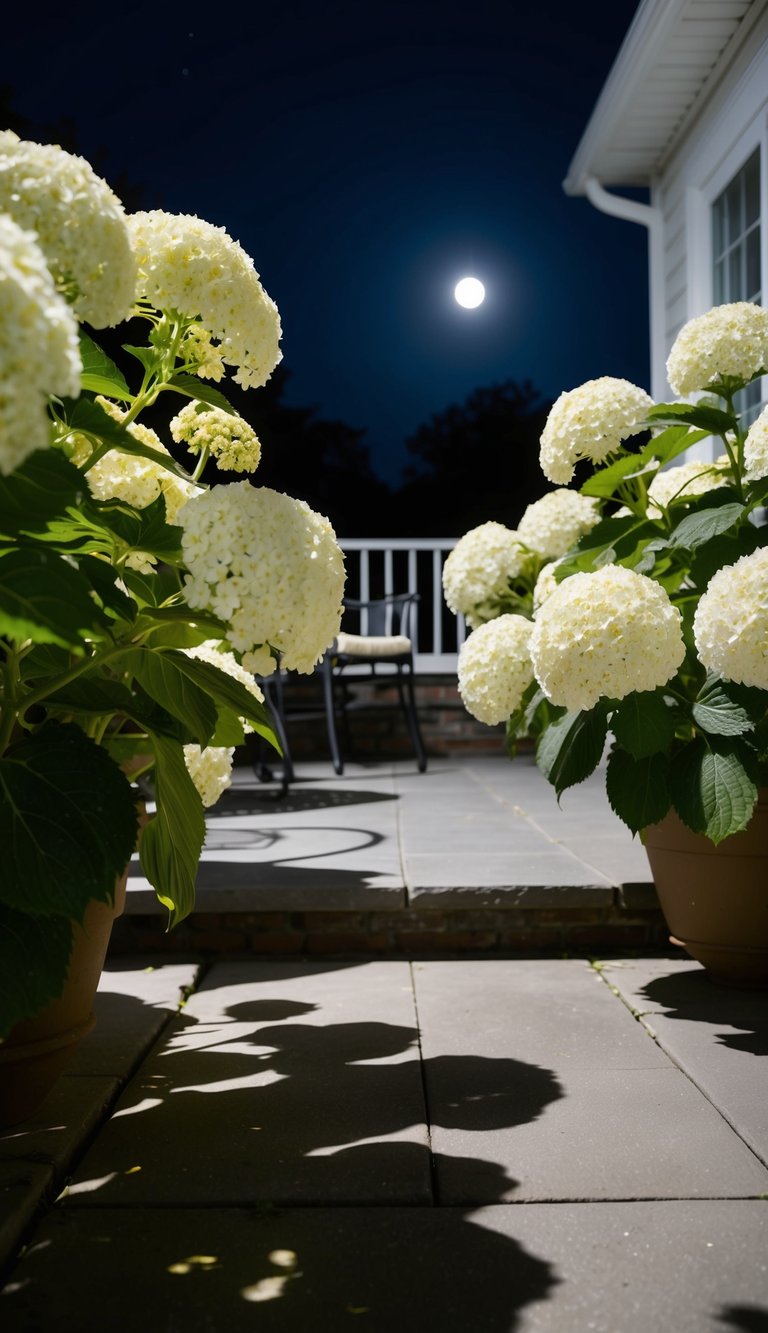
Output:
x=469 y=292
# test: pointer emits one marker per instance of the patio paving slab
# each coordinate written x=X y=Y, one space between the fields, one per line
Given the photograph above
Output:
x=132 y=1006
x=718 y=1035
x=385 y=837
x=312 y=1073
x=574 y=1101
x=536 y=1268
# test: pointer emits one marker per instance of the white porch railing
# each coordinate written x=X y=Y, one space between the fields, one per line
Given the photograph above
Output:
x=384 y=565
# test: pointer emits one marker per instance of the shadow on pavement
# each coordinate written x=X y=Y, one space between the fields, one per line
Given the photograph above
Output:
x=693 y=997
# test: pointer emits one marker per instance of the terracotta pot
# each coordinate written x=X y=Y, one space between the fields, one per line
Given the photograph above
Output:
x=715 y=899
x=38 y=1049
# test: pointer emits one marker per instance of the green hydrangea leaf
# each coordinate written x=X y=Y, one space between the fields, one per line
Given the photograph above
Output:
x=711 y=420
x=162 y=676
x=671 y=442
x=718 y=713
x=572 y=747
x=43 y=598
x=204 y=392
x=228 y=693
x=714 y=785
x=39 y=490
x=34 y=957
x=637 y=788
x=172 y=841
x=90 y=418
x=100 y=374
x=643 y=724
x=700 y=527
x=67 y=822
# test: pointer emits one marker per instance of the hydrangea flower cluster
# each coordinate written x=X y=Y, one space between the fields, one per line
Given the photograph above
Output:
x=477 y=571
x=129 y=477
x=495 y=668
x=39 y=352
x=590 y=422
x=756 y=449
x=197 y=269
x=545 y=585
x=270 y=567
x=553 y=524
x=687 y=479
x=79 y=223
x=230 y=440
x=210 y=770
x=604 y=635
x=201 y=353
x=731 y=621
x=728 y=342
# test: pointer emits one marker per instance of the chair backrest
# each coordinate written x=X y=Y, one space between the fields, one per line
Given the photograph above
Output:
x=393 y=614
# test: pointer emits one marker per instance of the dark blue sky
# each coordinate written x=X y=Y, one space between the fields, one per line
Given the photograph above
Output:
x=367 y=156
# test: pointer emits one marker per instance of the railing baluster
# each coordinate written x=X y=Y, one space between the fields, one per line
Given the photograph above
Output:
x=428 y=657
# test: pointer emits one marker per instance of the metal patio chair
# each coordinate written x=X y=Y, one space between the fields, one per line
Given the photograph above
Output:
x=385 y=641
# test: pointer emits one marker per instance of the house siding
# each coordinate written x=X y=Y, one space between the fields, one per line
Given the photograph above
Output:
x=729 y=126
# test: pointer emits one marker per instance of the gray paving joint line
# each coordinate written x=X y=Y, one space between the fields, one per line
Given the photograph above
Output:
x=640 y=1016
x=423 y=1076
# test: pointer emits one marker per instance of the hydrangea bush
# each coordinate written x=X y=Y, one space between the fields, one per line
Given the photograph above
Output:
x=136 y=603
x=647 y=614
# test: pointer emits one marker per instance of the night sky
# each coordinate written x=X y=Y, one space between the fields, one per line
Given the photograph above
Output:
x=367 y=156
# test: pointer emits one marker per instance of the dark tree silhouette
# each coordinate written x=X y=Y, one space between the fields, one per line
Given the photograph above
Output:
x=475 y=461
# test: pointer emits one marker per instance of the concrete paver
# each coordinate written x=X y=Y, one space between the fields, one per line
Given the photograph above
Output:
x=606 y=1268
x=578 y=1102
x=472 y=1145
x=312 y=1068
x=468 y=833
x=718 y=1035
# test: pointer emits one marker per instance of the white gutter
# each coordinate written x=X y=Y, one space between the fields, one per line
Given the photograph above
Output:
x=650 y=217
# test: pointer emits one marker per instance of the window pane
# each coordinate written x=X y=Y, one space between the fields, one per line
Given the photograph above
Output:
x=752 y=188
x=733 y=211
x=719 y=282
x=718 y=227
x=735 y=287
x=753 y=265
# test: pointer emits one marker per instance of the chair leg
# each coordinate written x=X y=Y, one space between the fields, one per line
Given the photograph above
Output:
x=330 y=714
x=272 y=688
x=408 y=700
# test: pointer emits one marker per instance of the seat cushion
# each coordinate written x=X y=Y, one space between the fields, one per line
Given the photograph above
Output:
x=372 y=645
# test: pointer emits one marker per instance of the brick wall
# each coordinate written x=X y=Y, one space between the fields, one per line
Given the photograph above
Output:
x=492 y=933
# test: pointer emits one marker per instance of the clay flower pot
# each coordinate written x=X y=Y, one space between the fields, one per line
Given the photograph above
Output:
x=715 y=898
x=38 y=1049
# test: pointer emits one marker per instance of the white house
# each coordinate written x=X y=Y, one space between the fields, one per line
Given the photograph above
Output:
x=684 y=113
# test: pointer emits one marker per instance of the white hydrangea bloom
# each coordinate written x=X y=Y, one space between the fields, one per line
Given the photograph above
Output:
x=210 y=770
x=545 y=585
x=212 y=653
x=129 y=477
x=232 y=442
x=729 y=341
x=268 y=566
x=79 y=222
x=198 y=348
x=495 y=668
x=478 y=569
x=191 y=266
x=756 y=449
x=39 y=350
x=731 y=621
x=604 y=635
x=590 y=422
x=687 y=479
x=553 y=524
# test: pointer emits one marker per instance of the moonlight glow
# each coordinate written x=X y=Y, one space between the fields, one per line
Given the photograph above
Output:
x=470 y=292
